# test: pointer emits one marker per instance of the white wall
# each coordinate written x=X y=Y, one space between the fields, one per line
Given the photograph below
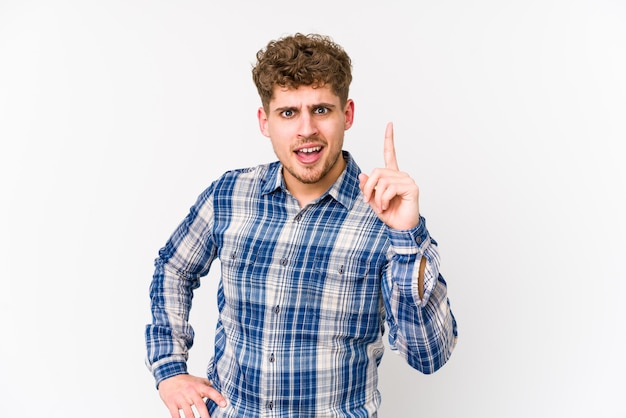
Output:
x=114 y=115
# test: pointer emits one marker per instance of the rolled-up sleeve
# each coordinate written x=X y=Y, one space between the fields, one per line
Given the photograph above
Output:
x=422 y=329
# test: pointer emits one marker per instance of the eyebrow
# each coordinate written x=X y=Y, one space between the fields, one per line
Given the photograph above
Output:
x=314 y=106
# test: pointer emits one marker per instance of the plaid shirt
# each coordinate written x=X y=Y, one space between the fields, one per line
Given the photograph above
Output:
x=303 y=297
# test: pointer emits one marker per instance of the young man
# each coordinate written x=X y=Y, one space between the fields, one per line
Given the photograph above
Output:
x=317 y=259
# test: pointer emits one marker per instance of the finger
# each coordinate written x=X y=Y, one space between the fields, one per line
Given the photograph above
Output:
x=390 y=193
x=212 y=394
x=201 y=408
x=363 y=178
x=188 y=411
x=369 y=186
x=390 y=151
x=385 y=192
x=174 y=411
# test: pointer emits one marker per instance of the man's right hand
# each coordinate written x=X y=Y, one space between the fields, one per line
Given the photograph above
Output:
x=182 y=391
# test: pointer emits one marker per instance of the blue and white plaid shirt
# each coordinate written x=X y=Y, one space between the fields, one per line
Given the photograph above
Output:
x=303 y=297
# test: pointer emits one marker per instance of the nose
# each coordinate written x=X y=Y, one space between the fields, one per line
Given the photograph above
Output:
x=308 y=126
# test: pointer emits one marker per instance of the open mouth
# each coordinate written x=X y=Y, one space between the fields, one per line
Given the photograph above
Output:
x=309 y=155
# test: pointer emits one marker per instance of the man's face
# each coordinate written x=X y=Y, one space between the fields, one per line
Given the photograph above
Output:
x=306 y=127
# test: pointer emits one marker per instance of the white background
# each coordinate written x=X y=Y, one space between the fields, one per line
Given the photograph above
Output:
x=115 y=115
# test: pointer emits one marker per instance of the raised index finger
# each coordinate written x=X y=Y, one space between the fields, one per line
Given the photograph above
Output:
x=390 y=149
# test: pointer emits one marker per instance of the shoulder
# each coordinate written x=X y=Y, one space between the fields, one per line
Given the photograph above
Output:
x=257 y=173
x=244 y=180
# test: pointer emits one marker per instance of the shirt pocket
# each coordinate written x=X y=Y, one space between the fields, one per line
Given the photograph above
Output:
x=238 y=278
x=344 y=297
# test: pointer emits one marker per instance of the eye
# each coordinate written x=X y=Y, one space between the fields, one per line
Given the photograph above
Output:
x=288 y=113
x=320 y=110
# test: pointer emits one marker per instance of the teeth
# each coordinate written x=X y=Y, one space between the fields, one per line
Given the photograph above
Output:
x=309 y=150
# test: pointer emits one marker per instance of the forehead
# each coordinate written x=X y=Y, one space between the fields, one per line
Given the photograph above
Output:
x=303 y=96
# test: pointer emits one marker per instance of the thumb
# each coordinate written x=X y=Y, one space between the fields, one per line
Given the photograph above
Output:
x=367 y=193
x=362 y=180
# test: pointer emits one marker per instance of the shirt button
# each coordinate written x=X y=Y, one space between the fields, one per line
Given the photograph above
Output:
x=298 y=218
x=272 y=358
x=276 y=309
x=269 y=405
x=283 y=262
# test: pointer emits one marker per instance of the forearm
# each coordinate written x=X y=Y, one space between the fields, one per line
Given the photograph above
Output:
x=181 y=263
x=169 y=336
x=425 y=336
x=422 y=326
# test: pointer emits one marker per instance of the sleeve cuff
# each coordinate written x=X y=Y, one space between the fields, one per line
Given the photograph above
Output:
x=168 y=370
x=409 y=241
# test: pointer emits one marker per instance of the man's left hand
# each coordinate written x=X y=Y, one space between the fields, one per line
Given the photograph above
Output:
x=391 y=193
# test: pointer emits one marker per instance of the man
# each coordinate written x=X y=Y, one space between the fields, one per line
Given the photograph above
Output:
x=316 y=260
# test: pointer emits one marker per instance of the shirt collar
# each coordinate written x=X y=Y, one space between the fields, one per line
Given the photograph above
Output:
x=345 y=190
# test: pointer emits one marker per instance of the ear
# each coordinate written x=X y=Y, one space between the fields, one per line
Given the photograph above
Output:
x=262 y=117
x=348 y=112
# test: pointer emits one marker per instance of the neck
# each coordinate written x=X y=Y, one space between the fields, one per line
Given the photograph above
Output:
x=305 y=193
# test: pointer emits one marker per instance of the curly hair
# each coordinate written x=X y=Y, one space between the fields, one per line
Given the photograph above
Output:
x=302 y=60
